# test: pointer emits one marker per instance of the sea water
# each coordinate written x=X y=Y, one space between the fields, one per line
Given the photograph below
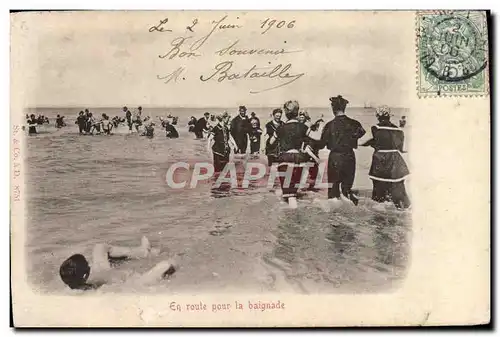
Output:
x=84 y=190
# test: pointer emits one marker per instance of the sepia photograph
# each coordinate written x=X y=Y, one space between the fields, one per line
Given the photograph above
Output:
x=269 y=153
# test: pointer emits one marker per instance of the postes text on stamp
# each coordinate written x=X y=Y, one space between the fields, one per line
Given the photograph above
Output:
x=452 y=53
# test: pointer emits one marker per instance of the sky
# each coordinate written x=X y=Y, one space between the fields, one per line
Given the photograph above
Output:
x=112 y=58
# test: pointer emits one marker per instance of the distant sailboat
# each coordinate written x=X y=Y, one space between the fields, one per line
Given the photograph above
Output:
x=368 y=106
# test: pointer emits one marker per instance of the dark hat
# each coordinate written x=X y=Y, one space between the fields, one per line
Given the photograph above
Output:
x=276 y=111
x=338 y=103
x=75 y=271
x=140 y=108
x=242 y=107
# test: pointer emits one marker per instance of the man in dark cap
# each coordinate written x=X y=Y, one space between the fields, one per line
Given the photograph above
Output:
x=240 y=129
x=340 y=136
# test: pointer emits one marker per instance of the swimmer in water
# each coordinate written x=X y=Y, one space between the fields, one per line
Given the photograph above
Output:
x=149 y=129
x=76 y=272
x=81 y=120
x=106 y=124
x=128 y=117
x=138 y=119
x=60 y=121
x=170 y=131
x=255 y=134
x=191 y=124
x=32 y=122
x=402 y=122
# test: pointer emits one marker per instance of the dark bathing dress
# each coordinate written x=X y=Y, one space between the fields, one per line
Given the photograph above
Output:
x=272 y=149
x=220 y=147
x=340 y=136
x=388 y=170
x=291 y=136
x=240 y=129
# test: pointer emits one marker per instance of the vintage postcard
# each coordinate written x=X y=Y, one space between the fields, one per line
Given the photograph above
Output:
x=250 y=168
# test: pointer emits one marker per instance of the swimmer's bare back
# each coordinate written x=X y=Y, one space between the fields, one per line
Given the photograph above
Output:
x=76 y=273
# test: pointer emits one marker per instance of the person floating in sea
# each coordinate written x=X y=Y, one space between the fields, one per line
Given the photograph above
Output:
x=388 y=169
x=220 y=142
x=170 y=130
x=402 y=122
x=340 y=136
x=128 y=117
x=291 y=137
x=76 y=273
x=32 y=123
x=60 y=121
x=81 y=120
x=201 y=125
x=191 y=124
x=254 y=135
x=271 y=127
x=240 y=128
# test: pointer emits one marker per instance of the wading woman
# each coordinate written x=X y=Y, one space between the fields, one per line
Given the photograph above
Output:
x=220 y=142
x=388 y=170
x=291 y=137
x=271 y=128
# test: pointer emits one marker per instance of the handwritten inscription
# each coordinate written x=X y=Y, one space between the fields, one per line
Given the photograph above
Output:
x=174 y=76
x=190 y=28
x=268 y=24
x=223 y=72
x=176 y=51
x=159 y=27
x=233 y=51
x=189 y=47
x=215 y=24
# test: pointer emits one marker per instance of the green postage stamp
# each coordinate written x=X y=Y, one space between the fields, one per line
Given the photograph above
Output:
x=452 y=53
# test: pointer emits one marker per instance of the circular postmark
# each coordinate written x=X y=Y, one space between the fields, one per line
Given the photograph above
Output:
x=452 y=48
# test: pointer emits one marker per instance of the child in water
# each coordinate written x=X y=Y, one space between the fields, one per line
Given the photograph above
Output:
x=76 y=272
